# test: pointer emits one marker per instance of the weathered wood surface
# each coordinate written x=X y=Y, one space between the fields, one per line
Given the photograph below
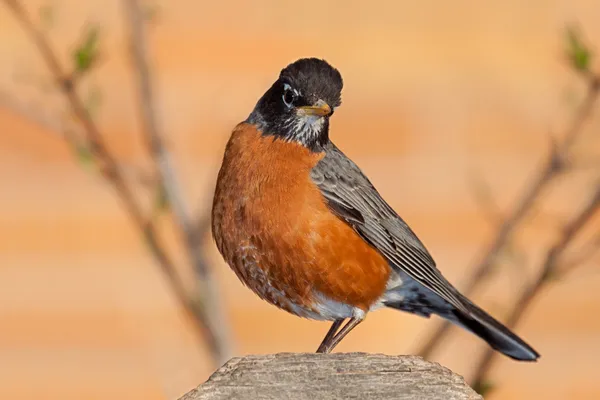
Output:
x=309 y=376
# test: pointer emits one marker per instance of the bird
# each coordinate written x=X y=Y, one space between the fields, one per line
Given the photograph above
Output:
x=304 y=228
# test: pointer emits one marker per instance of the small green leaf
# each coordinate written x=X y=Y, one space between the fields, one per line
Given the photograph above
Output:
x=484 y=387
x=161 y=201
x=86 y=53
x=84 y=156
x=47 y=16
x=151 y=12
x=578 y=54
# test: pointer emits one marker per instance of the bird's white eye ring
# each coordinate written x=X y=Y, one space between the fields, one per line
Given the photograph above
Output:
x=289 y=95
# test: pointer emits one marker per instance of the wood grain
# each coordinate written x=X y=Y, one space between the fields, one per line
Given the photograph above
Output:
x=309 y=376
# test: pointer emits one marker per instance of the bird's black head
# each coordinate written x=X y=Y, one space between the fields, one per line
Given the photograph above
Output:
x=298 y=105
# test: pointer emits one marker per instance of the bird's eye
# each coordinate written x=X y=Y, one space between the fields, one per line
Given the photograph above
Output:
x=289 y=95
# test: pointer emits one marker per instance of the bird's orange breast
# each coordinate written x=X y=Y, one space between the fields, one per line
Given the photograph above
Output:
x=273 y=228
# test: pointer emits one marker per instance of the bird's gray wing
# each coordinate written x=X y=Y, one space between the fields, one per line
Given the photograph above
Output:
x=350 y=195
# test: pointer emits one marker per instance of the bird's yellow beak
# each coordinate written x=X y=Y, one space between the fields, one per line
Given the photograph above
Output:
x=320 y=108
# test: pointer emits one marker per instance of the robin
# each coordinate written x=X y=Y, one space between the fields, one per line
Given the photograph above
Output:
x=304 y=228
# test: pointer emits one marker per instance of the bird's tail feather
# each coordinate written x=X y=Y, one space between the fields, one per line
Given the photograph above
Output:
x=493 y=332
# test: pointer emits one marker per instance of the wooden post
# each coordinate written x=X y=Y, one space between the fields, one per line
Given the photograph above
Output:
x=309 y=376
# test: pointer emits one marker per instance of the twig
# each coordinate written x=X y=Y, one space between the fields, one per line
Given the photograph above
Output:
x=482 y=193
x=109 y=167
x=547 y=272
x=554 y=166
x=209 y=307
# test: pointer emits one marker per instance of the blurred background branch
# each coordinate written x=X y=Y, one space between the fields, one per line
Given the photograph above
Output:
x=202 y=307
x=558 y=161
x=550 y=270
x=207 y=301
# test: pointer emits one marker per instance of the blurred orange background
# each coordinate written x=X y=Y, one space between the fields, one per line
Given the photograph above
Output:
x=433 y=91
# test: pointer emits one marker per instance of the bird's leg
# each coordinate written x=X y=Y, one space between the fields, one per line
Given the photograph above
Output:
x=342 y=333
x=330 y=335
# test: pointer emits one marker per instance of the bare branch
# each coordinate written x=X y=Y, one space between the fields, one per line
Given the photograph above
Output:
x=548 y=270
x=482 y=193
x=109 y=167
x=209 y=307
x=555 y=164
